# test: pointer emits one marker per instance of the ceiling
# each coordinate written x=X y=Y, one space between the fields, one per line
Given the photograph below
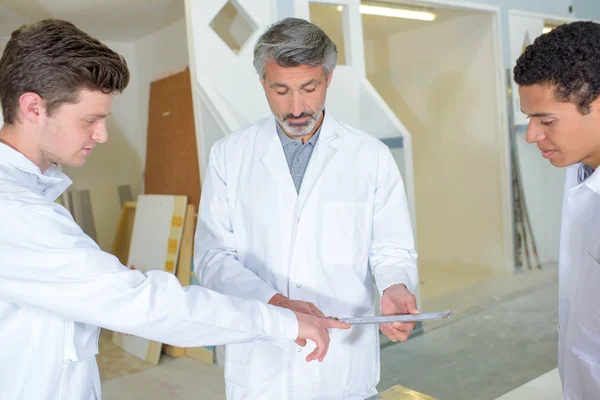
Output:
x=330 y=19
x=375 y=25
x=109 y=20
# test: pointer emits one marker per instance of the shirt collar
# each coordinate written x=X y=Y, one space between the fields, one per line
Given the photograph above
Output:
x=593 y=180
x=49 y=184
x=584 y=172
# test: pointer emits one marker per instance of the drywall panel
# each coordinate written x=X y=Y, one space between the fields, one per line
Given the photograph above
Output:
x=155 y=242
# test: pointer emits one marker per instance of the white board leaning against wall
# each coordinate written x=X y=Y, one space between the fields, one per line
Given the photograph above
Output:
x=155 y=242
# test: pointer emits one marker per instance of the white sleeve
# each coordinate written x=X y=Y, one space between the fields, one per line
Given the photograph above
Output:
x=393 y=258
x=47 y=262
x=215 y=255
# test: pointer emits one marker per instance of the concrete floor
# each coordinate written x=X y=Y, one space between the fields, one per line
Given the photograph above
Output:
x=483 y=355
x=502 y=335
x=545 y=387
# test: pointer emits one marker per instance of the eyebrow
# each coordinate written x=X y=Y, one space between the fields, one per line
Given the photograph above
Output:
x=97 y=115
x=539 y=114
x=311 y=82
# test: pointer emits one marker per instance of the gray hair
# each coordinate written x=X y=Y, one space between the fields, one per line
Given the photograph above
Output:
x=292 y=42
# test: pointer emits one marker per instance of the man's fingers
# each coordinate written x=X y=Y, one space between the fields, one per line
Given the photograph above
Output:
x=332 y=323
x=404 y=326
x=395 y=335
x=411 y=304
x=390 y=334
x=316 y=311
x=321 y=339
x=325 y=348
x=401 y=337
x=301 y=342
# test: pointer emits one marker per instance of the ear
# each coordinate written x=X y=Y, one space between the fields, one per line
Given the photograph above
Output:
x=31 y=106
x=596 y=104
x=261 y=80
x=329 y=77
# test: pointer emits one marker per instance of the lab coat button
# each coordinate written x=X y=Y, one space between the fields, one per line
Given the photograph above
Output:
x=299 y=350
x=298 y=285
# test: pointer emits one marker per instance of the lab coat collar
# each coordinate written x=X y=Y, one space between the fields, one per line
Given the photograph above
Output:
x=274 y=157
x=593 y=182
x=49 y=184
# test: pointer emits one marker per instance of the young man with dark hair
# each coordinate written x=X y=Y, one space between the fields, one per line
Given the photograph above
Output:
x=559 y=87
x=56 y=286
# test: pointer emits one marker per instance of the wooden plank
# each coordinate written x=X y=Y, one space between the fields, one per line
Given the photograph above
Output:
x=122 y=239
x=184 y=266
x=186 y=252
x=203 y=354
x=172 y=163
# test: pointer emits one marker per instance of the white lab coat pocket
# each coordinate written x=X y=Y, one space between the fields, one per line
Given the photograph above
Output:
x=342 y=231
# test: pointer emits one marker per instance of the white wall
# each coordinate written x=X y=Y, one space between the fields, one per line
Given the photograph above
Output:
x=156 y=55
x=543 y=188
x=441 y=82
x=589 y=9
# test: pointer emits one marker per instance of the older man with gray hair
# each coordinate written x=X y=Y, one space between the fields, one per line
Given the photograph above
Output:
x=301 y=211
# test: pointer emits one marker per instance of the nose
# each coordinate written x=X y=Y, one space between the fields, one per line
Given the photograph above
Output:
x=534 y=133
x=100 y=133
x=297 y=104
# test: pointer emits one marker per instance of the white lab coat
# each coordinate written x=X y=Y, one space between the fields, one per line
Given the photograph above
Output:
x=256 y=237
x=57 y=287
x=579 y=288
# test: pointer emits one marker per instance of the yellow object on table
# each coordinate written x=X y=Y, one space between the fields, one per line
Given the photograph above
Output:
x=399 y=392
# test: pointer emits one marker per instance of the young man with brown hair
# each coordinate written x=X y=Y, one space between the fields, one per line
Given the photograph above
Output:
x=57 y=286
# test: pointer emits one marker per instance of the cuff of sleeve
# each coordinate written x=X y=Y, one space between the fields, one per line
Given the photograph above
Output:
x=286 y=326
x=266 y=294
x=384 y=282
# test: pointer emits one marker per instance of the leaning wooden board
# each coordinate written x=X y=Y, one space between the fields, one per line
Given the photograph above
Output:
x=184 y=265
x=172 y=165
x=155 y=241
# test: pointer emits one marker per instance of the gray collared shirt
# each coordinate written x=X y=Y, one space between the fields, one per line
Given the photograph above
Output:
x=584 y=172
x=297 y=154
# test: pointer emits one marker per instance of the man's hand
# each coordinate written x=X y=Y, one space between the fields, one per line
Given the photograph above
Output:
x=298 y=306
x=397 y=299
x=315 y=329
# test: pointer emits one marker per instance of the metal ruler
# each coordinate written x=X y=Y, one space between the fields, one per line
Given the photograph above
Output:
x=397 y=318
